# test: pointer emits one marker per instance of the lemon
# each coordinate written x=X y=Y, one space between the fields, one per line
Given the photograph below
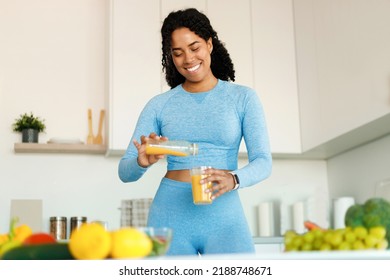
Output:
x=91 y=241
x=130 y=242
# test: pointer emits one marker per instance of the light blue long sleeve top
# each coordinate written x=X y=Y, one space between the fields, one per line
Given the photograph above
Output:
x=216 y=120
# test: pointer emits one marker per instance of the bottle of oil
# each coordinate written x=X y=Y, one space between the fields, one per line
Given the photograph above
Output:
x=178 y=148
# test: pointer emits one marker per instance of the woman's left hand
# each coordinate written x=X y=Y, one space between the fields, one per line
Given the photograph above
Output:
x=222 y=181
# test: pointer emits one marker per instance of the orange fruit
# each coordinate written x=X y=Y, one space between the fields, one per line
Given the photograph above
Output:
x=130 y=242
x=91 y=241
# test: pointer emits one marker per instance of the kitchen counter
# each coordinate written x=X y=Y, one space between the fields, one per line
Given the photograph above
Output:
x=312 y=255
x=268 y=240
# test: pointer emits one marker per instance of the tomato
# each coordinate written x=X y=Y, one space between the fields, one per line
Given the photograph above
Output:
x=39 y=238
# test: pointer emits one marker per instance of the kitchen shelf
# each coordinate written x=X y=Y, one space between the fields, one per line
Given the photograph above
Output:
x=59 y=148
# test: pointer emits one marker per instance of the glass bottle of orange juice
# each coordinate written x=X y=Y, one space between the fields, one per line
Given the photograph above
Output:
x=178 y=148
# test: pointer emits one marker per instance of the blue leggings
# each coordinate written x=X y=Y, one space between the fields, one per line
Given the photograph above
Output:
x=217 y=228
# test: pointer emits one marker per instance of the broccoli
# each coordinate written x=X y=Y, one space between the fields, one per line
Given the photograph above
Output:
x=374 y=212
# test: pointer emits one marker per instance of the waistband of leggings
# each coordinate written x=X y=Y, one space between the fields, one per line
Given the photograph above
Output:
x=174 y=183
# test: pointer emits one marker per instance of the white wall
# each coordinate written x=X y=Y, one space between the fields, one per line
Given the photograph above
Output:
x=357 y=172
x=53 y=62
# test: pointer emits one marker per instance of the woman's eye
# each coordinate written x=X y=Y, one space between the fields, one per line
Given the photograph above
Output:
x=195 y=49
x=176 y=54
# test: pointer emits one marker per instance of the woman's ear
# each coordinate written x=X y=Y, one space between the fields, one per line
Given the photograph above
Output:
x=210 y=45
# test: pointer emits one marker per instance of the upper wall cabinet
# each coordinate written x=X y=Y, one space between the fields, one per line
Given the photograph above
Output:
x=259 y=35
x=135 y=65
x=274 y=70
x=343 y=69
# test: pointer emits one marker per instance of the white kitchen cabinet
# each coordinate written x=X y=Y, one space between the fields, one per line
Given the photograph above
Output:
x=275 y=77
x=232 y=20
x=233 y=25
x=343 y=69
x=135 y=65
x=259 y=36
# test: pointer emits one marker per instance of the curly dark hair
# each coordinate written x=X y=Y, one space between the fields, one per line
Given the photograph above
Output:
x=221 y=63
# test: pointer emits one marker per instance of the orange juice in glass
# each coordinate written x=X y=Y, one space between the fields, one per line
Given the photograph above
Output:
x=198 y=190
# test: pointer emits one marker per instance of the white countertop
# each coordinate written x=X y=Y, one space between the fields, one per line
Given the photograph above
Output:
x=268 y=240
x=312 y=255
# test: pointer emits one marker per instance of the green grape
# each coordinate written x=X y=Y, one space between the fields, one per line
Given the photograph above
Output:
x=382 y=244
x=341 y=231
x=358 y=245
x=289 y=237
x=370 y=241
x=328 y=235
x=336 y=239
x=325 y=247
x=298 y=241
x=378 y=232
x=308 y=237
x=290 y=247
x=317 y=243
x=360 y=232
x=318 y=233
x=348 y=229
x=344 y=245
x=306 y=247
x=290 y=233
x=350 y=237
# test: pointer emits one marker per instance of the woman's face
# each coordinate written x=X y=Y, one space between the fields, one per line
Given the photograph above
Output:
x=191 y=55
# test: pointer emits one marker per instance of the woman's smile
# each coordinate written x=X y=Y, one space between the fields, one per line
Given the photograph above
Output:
x=193 y=68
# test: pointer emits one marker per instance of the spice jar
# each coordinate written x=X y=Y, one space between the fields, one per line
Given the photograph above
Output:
x=58 y=227
x=76 y=222
x=178 y=148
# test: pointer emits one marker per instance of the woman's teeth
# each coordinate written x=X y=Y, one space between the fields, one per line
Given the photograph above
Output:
x=192 y=69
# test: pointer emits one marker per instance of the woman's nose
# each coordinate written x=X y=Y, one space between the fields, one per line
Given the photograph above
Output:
x=189 y=57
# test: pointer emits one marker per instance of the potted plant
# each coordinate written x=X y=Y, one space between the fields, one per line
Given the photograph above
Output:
x=30 y=126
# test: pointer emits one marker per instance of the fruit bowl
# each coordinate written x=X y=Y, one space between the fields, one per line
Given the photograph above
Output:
x=161 y=238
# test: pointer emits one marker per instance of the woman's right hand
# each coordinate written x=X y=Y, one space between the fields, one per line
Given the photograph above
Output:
x=143 y=159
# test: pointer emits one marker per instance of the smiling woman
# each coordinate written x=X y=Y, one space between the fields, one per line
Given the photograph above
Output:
x=202 y=107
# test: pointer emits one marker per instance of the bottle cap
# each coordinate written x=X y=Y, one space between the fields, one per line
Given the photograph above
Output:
x=57 y=218
x=194 y=149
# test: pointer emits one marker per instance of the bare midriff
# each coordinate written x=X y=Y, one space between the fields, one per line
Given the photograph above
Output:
x=179 y=175
x=153 y=150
